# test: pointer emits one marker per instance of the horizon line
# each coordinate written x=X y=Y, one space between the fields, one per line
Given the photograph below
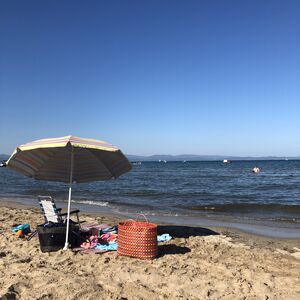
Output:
x=215 y=155
x=205 y=155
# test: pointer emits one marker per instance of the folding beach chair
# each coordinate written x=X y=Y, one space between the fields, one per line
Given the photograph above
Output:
x=52 y=213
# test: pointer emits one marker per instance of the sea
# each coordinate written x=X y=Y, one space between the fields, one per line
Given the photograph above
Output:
x=199 y=193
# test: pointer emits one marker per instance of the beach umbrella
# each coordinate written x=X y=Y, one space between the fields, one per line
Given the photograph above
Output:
x=69 y=159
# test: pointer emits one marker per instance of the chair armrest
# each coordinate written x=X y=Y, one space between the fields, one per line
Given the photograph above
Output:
x=71 y=212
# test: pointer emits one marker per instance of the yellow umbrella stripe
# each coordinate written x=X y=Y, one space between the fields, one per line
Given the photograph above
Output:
x=74 y=141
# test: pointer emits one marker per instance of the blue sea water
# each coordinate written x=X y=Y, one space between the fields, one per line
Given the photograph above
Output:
x=191 y=189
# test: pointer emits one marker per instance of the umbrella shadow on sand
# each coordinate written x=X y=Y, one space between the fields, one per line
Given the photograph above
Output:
x=184 y=231
x=180 y=232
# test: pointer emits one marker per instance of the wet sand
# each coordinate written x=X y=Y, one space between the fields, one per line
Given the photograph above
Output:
x=198 y=263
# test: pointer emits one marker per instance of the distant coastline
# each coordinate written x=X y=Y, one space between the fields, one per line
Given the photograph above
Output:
x=194 y=157
x=190 y=157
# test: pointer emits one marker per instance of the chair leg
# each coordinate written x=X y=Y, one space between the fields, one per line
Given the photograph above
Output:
x=78 y=220
x=32 y=234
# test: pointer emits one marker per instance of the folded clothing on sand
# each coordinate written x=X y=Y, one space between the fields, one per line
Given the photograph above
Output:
x=164 y=237
x=90 y=243
x=106 y=241
x=113 y=229
x=108 y=237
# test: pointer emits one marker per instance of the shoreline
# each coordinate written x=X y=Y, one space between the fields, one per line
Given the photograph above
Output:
x=238 y=235
x=245 y=237
x=260 y=229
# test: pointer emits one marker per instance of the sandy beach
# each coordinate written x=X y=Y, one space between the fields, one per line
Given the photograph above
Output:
x=198 y=263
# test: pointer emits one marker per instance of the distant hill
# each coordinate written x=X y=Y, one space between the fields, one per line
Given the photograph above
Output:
x=191 y=157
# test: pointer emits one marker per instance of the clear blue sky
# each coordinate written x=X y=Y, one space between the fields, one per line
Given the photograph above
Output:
x=153 y=77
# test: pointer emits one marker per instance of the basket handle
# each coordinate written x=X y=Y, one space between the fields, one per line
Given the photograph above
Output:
x=132 y=220
x=138 y=215
x=128 y=220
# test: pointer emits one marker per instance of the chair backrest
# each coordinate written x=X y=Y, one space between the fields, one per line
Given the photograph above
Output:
x=49 y=209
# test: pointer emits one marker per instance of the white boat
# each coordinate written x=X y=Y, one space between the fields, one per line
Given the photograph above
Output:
x=227 y=161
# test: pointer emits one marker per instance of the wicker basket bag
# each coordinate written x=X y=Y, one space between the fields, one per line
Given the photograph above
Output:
x=137 y=239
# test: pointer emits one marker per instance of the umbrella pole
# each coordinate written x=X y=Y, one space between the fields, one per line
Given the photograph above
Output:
x=69 y=200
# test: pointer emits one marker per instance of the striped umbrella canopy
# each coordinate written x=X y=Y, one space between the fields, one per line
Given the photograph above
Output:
x=69 y=159
x=50 y=159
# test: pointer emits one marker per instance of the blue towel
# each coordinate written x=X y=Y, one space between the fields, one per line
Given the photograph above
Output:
x=164 y=237
x=112 y=246
x=20 y=227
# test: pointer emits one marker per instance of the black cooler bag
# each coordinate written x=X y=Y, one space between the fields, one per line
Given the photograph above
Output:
x=53 y=237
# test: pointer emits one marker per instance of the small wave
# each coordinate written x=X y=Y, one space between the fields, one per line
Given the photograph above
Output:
x=170 y=214
x=125 y=204
x=245 y=207
x=286 y=220
x=90 y=202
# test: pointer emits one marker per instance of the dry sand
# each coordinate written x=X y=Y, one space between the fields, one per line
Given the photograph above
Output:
x=197 y=264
